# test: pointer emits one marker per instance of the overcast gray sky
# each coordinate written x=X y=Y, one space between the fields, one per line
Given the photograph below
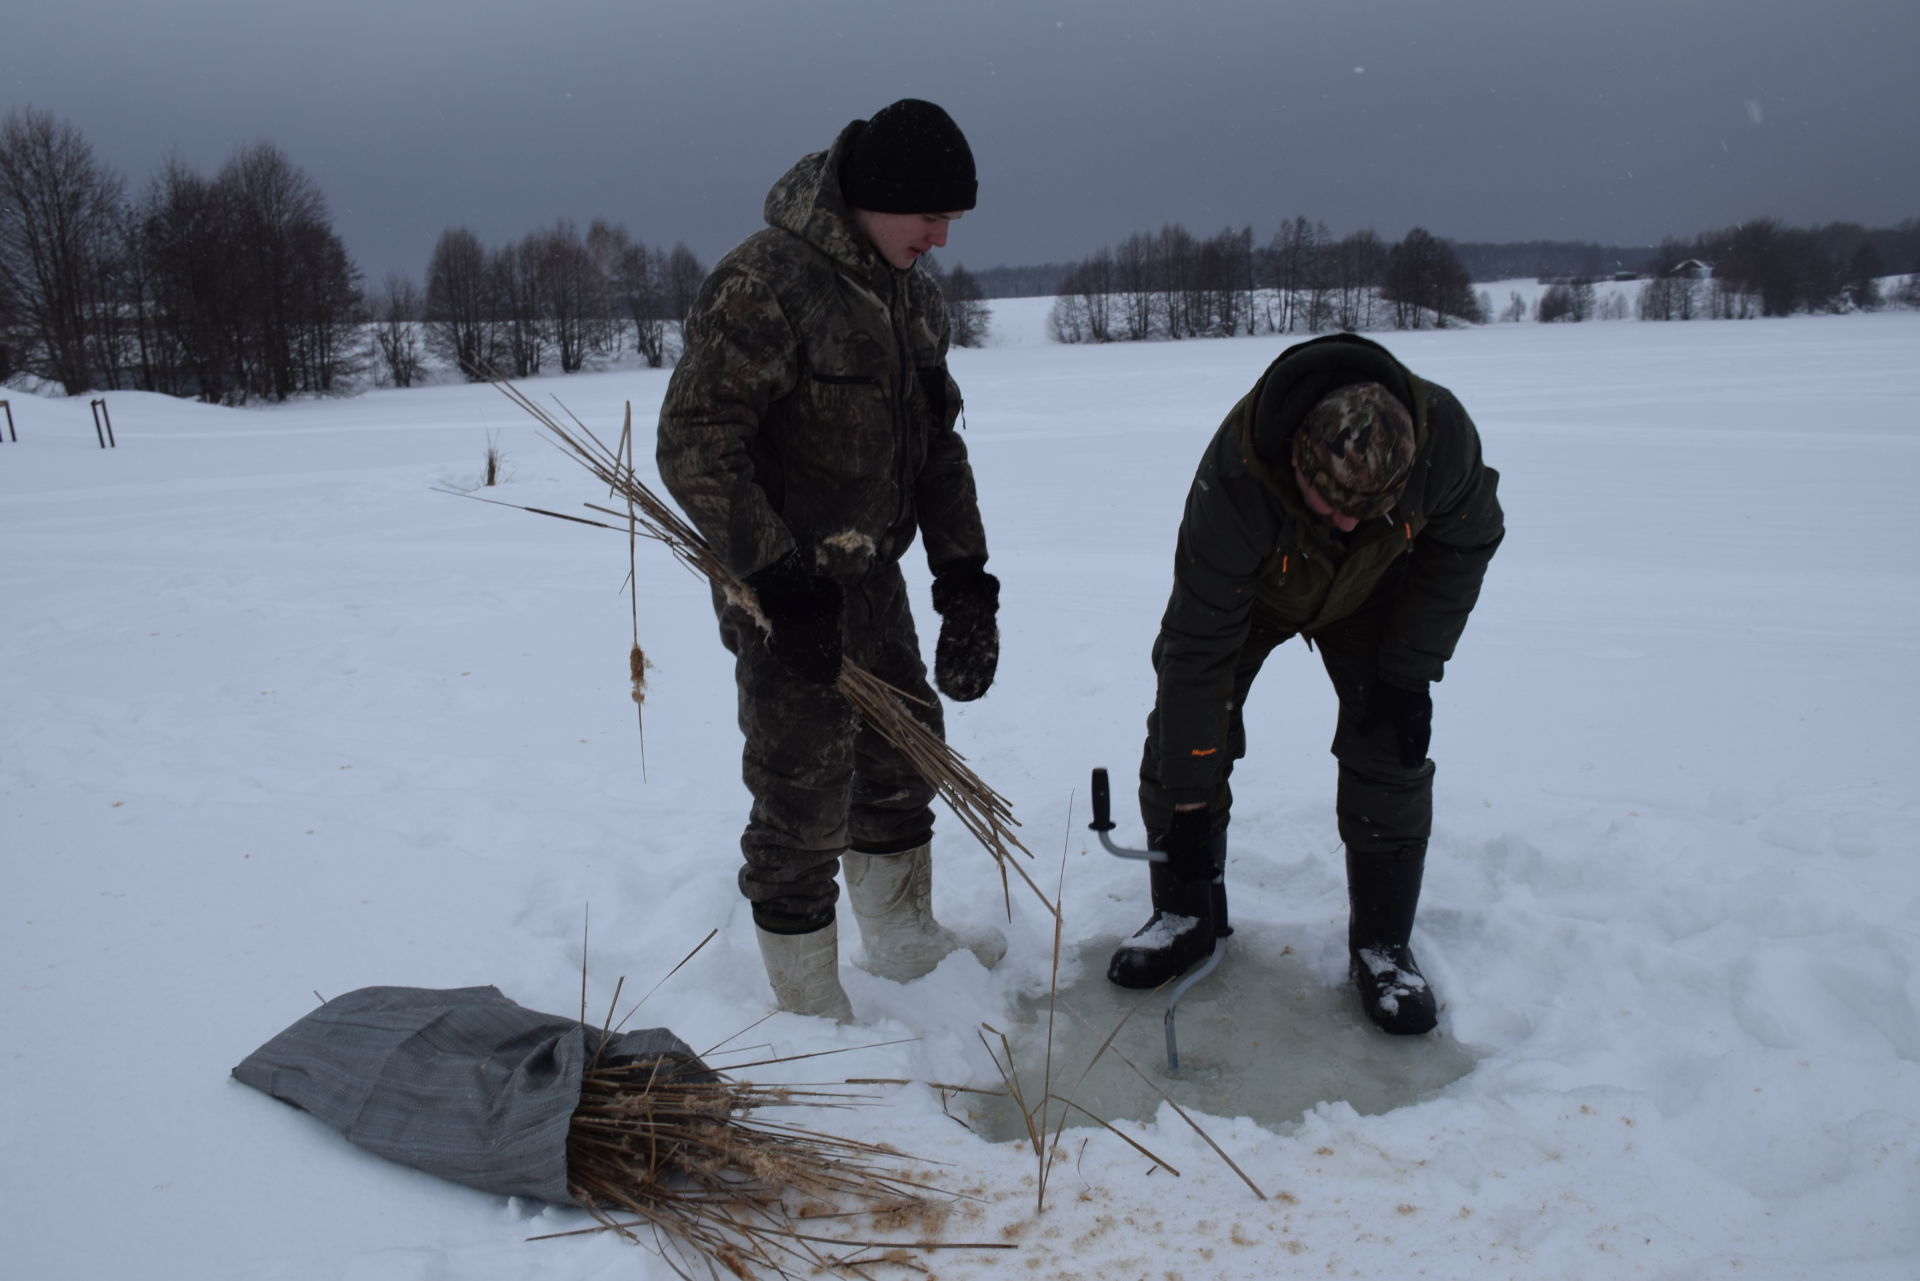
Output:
x=1609 y=120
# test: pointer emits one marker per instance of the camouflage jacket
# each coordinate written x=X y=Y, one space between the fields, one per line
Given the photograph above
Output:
x=1250 y=554
x=812 y=407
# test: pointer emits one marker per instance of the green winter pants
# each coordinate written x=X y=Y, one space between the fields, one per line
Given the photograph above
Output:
x=1382 y=806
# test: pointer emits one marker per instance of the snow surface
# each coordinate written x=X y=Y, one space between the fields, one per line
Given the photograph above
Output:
x=281 y=720
x=1163 y=932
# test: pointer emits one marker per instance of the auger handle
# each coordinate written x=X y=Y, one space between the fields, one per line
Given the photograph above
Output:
x=1102 y=801
x=1103 y=822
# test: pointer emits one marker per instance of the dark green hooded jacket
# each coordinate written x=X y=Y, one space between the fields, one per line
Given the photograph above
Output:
x=812 y=406
x=1251 y=554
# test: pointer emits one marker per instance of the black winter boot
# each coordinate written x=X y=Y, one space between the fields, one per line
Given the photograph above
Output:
x=1188 y=915
x=1383 y=892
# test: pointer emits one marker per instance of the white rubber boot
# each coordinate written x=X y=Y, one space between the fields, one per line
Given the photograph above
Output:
x=892 y=897
x=805 y=972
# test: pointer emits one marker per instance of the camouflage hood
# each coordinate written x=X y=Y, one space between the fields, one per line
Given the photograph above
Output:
x=807 y=202
x=812 y=407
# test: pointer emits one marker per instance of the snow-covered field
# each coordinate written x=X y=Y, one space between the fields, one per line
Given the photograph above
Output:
x=278 y=719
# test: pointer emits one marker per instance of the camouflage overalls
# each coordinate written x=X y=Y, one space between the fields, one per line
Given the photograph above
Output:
x=812 y=409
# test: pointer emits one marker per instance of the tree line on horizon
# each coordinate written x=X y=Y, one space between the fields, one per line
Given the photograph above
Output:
x=554 y=295
x=234 y=286
x=228 y=286
x=1172 y=285
x=562 y=296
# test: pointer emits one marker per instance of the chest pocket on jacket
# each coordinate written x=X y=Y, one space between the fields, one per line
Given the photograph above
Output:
x=844 y=430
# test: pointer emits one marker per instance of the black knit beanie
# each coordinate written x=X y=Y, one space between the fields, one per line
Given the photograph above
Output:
x=910 y=158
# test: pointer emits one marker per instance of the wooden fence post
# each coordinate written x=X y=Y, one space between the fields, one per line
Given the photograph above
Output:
x=103 y=426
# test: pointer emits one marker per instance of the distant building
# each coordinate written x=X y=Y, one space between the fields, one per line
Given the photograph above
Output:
x=1692 y=269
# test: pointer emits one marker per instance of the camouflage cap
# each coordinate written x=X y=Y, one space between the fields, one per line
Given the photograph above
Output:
x=1355 y=448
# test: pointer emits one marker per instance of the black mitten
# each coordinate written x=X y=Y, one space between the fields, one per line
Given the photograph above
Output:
x=803 y=608
x=1409 y=712
x=967 y=598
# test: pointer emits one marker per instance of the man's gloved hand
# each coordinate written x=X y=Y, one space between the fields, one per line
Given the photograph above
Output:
x=803 y=608
x=1409 y=712
x=1188 y=843
x=967 y=598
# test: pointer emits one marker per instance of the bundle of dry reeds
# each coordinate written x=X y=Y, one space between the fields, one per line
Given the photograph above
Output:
x=680 y=1154
x=981 y=810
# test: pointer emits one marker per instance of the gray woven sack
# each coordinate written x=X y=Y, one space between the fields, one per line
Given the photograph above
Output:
x=459 y=1082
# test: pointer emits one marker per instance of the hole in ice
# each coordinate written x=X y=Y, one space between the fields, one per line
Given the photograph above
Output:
x=1262 y=1037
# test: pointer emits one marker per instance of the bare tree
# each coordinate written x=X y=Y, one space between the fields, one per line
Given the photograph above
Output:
x=11 y=330
x=1356 y=265
x=1292 y=255
x=1320 y=280
x=1673 y=293
x=1134 y=286
x=643 y=298
x=1567 y=300
x=1863 y=279
x=1763 y=268
x=137 y=295
x=1083 y=309
x=59 y=224
x=1222 y=277
x=237 y=287
x=1749 y=274
x=680 y=282
x=113 y=328
x=1908 y=294
x=514 y=296
x=1408 y=281
x=565 y=291
x=1181 y=309
x=294 y=294
x=1555 y=305
x=966 y=312
x=330 y=313
x=458 y=307
x=396 y=329
x=188 y=303
x=1426 y=283
x=605 y=243
x=1586 y=299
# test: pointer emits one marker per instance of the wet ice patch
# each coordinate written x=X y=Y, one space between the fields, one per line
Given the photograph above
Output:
x=1264 y=1036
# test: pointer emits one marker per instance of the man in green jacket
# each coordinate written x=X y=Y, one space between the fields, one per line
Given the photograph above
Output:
x=808 y=432
x=1344 y=501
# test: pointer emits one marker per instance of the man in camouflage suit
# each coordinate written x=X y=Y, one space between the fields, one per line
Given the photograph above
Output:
x=1344 y=501
x=808 y=431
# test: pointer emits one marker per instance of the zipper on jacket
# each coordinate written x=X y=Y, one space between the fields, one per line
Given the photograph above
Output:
x=903 y=453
